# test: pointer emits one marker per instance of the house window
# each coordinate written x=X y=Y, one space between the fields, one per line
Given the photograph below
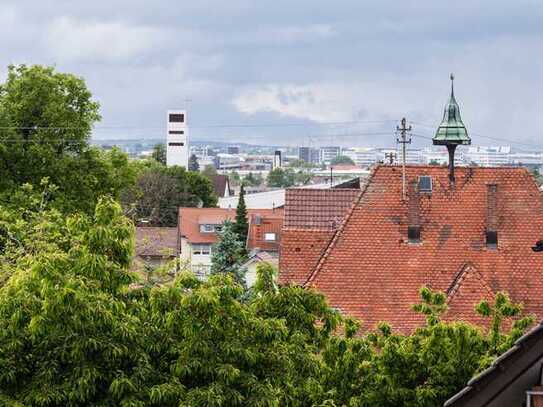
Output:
x=413 y=234
x=176 y=144
x=270 y=237
x=177 y=118
x=208 y=228
x=201 y=249
x=491 y=239
x=425 y=184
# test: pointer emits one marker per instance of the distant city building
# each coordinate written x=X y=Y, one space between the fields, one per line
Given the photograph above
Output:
x=227 y=162
x=232 y=150
x=436 y=156
x=362 y=156
x=277 y=162
x=496 y=156
x=327 y=154
x=527 y=159
x=308 y=154
x=177 y=149
x=412 y=156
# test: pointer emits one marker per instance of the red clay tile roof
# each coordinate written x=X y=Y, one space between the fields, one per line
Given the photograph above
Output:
x=370 y=271
x=156 y=242
x=311 y=218
x=190 y=220
x=317 y=209
x=259 y=226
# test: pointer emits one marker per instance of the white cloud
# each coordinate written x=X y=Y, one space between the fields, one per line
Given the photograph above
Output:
x=333 y=101
x=75 y=40
x=316 y=102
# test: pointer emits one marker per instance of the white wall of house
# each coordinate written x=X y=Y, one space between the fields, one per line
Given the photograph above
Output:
x=197 y=257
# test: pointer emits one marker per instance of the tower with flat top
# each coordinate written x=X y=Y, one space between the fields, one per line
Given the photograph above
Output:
x=177 y=139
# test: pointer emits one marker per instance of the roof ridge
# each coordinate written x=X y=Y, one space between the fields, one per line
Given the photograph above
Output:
x=467 y=268
x=338 y=232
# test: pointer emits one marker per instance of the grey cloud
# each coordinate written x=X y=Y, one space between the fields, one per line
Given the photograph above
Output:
x=282 y=61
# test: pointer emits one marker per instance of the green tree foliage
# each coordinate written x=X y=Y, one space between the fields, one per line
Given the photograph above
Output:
x=537 y=176
x=66 y=335
x=159 y=153
x=342 y=159
x=160 y=191
x=241 y=226
x=228 y=254
x=499 y=313
x=74 y=332
x=209 y=171
x=253 y=180
x=47 y=118
x=193 y=163
x=287 y=177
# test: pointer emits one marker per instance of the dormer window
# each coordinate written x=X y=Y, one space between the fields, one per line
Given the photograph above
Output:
x=491 y=239
x=209 y=228
x=413 y=234
x=425 y=184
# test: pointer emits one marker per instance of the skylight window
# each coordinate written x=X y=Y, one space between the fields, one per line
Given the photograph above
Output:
x=425 y=184
x=413 y=234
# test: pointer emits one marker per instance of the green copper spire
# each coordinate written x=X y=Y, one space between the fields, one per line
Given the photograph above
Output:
x=452 y=129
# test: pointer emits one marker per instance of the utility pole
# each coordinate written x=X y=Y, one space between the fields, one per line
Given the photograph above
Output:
x=390 y=157
x=403 y=129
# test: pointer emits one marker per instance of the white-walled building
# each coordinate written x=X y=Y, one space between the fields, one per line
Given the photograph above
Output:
x=177 y=139
x=495 y=156
x=327 y=154
x=362 y=156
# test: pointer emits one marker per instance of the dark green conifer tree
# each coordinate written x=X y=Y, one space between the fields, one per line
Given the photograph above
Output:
x=241 y=227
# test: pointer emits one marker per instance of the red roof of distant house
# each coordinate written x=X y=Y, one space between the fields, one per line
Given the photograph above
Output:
x=156 y=242
x=311 y=218
x=265 y=231
x=369 y=269
x=190 y=220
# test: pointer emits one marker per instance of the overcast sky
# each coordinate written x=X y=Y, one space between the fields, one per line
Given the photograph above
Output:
x=287 y=69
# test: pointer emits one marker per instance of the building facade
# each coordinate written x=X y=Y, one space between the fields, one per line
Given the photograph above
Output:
x=177 y=139
x=327 y=154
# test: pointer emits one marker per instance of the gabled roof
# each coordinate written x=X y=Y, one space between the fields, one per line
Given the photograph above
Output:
x=371 y=271
x=317 y=209
x=312 y=216
x=486 y=387
x=156 y=242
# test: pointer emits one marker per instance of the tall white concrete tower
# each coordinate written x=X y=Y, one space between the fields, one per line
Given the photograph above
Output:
x=177 y=148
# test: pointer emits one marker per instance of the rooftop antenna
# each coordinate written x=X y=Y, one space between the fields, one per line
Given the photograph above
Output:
x=403 y=129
